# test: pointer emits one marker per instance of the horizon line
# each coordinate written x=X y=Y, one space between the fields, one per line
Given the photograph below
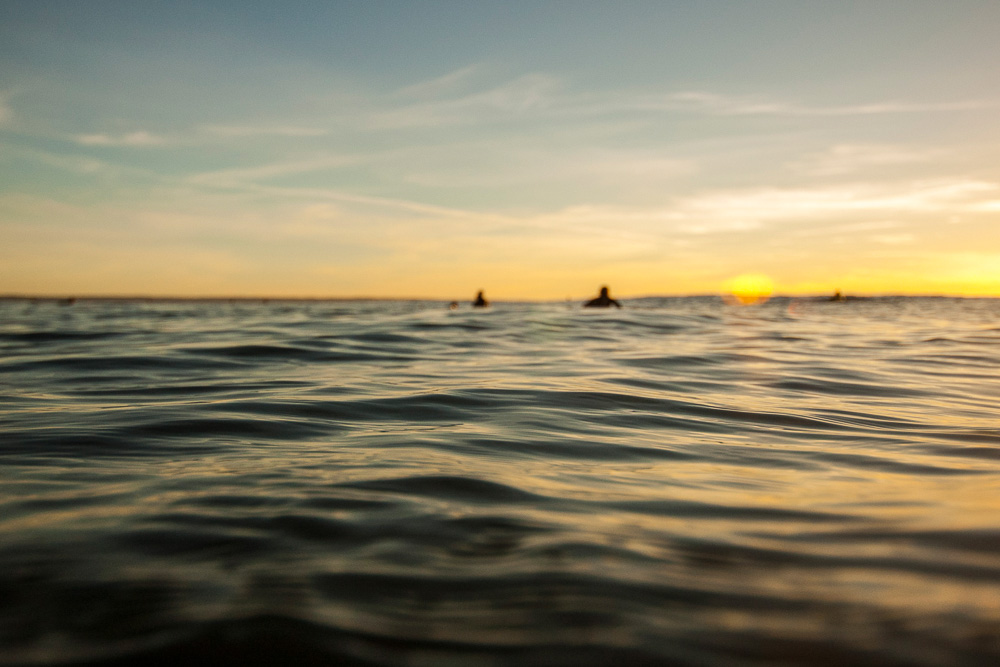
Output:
x=213 y=298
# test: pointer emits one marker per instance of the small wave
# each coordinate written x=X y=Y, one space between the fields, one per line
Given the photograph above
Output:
x=715 y=511
x=420 y=407
x=42 y=337
x=47 y=443
x=573 y=449
x=846 y=388
x=985 y=453
x=253 y=354
x=450 y=487
x=193 y=430
x=104 y=363
x=975 y=541
x=672 y=361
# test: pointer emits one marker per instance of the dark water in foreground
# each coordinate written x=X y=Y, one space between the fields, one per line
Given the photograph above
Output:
x=389 y=483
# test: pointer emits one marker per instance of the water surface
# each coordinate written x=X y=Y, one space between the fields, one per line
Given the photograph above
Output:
x=393 y=483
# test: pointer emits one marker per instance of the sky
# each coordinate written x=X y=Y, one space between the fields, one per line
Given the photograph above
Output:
x=534 y=150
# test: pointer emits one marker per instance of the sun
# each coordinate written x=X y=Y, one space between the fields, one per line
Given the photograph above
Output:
x=748 y=288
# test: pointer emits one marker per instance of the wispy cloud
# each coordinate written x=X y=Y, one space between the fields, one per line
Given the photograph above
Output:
x=852 y=158
x=264 y=131
x=988 y=206
x=196 y=136
x=760 y=105
x=250 y=175
x=234 y=180
x=494 y=164
x=78 y=164
x=872 y=209
x=437 y=86
x=759 y=206
x=139 y=139
x=850 y=228
x=523 y=95
x=752 y=209
x=543 y=95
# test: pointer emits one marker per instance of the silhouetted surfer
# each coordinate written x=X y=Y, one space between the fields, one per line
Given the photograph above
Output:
x=480 y=302
x=837 y=296
x=603 y=301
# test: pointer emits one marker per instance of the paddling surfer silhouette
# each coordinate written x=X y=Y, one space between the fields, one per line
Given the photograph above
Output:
x=602 y=301
x=480 y=302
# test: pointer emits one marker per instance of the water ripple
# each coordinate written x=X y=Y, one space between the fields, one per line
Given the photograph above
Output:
x=680 y=482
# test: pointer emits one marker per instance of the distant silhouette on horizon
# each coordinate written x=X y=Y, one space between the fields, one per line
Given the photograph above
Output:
x=837 y=296
x=602 y=301
x=480 y=302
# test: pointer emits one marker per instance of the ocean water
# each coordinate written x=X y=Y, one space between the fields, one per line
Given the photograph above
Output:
x=681 y=482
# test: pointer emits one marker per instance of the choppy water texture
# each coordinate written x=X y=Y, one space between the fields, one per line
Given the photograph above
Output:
x=392 y=483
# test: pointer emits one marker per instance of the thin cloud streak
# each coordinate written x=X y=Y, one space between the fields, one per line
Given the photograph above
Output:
x=852 y=158
x=542 y=95
x=438 y=85
x=707 y=213
x=323 y=194
x=746 y=106
x=749 y=210
x=76 y=164
x=756 y=207
x=518 y=97
x=241 y=177
x=141 y=139
x=246 y=131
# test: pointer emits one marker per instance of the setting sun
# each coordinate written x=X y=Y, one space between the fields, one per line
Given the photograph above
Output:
x=749 y=288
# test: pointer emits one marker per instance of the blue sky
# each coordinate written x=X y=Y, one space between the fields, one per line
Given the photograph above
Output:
x=534 y=150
